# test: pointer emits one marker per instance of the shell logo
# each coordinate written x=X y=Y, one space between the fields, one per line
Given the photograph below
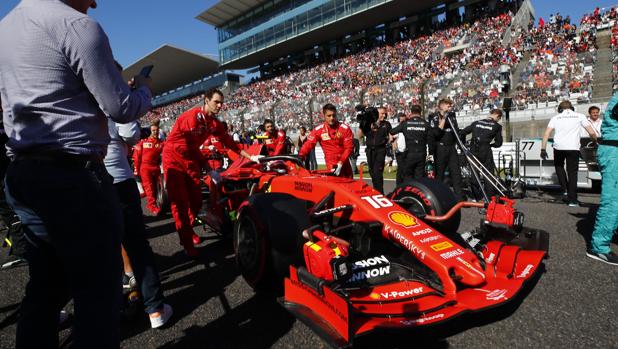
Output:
x=374 y=295
x=404 y=219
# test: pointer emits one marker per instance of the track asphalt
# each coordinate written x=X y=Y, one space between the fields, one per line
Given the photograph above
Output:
x=574 y=304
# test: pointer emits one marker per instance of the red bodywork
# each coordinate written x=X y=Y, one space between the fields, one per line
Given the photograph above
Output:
x=469 y=282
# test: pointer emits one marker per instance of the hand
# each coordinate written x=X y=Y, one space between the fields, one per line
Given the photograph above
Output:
x=429 y=158
x=139 y=81
x=211 y=147
x=256 y=158
x=337 y=170
x=544 y=154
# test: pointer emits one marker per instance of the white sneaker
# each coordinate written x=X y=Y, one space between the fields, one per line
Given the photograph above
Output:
x=165 y=315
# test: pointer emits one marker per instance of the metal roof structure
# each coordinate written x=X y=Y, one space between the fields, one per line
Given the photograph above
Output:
x=173 y=67
x=226 y=10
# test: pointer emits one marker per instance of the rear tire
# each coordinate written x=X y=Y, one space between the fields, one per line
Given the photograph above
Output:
x=267 y=239
x=426 y=196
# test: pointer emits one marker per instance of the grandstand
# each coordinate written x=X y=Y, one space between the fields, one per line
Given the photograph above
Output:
x=474 y=52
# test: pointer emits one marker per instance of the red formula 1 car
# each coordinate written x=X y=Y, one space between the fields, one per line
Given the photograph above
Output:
x=350 y=261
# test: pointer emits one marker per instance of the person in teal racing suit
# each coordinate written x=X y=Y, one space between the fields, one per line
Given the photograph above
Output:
x=607 y=216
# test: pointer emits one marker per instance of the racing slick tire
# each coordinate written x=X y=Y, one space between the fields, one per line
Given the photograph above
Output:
x=162 y=200
x=426 y=196
x=268 y=239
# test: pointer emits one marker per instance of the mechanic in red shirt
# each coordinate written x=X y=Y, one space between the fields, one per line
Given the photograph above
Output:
x=183 y=162
x=336 y=139
x=146 y=165
x=275 y=139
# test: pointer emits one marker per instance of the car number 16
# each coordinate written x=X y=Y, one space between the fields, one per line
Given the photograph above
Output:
x=378 y=201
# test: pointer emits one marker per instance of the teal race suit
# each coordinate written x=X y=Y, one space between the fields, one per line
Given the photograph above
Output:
x=607 y=157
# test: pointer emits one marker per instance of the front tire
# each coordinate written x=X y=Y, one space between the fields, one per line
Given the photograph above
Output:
x=426 y=196
x=267 y=239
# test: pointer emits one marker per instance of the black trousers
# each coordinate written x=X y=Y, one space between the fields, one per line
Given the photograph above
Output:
x=72 y=220
x=401 y=166
x=568 y=179
x=137 y=246
x=485 y=155
x=375 y=160
x=15 y=235
x=446 y=158
x=415 y=165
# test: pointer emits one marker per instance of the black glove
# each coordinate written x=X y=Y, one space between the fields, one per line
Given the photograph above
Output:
x=544 y=154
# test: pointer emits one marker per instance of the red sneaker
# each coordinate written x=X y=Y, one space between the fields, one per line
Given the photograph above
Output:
x=196 y=239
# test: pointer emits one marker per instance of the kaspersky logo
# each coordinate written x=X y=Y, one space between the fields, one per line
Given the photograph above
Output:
x=404 y=219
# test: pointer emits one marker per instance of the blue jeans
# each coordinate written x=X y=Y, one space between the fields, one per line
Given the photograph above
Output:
x=71 y=218
x=137 y=246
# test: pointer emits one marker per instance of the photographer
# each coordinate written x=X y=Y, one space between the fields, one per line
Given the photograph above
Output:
x=416 y=132
x=377 y=137
x=445 y=145
x=483 y=133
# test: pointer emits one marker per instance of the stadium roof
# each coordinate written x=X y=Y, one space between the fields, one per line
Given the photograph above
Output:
x=374 y=16
x=173 y=67
x=226 y=10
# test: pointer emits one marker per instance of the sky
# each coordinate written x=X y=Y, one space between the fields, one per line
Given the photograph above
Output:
x=138 y=27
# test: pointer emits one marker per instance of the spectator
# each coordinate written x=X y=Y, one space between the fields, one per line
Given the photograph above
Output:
x=59 y=85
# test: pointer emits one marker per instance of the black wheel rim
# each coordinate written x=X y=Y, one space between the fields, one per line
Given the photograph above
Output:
x=414 y=206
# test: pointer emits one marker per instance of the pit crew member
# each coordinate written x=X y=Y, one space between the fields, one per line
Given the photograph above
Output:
x=212 y=149
x=336 y=139
x=274 y=139
x=376 y=141
x=445 y=149
x=484 y=132
x=183 y=161
x=146 y=164
x=417 y=133
x=568 y=125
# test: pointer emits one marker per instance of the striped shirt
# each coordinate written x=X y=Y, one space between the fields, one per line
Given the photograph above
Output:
x=58 y=81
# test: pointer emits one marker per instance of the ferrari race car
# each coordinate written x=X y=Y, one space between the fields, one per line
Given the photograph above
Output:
x=348 y=260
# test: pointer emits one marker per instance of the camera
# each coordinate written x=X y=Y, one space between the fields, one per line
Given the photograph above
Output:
x=366 y=116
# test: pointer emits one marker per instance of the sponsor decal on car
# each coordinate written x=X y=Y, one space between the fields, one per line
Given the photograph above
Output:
x=370 y=262
x=303 y=186
x=465 y=262
x=451 y=254
x=381 y=264
x=441 y=246
x=421 y=320
x=411 y=246
x=429 y=239
x=404 y=219
x=400 y=294
x=494 y=295
x=322 y=300
x=422 y=232
x=525 y=272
